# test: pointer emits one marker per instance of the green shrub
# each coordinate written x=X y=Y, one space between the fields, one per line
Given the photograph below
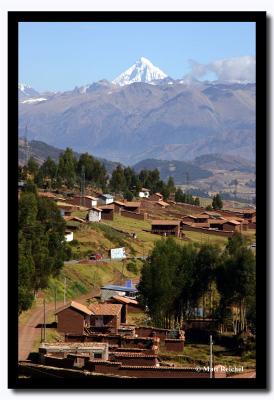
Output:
x=132 y=267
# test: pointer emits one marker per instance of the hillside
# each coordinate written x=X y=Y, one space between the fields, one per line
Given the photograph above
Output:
x=41 y=151
x=180 y=171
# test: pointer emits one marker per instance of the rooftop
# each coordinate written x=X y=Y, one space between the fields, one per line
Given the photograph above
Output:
x=95 y=208
x=124 y=300
x=162 y=203
x=77 y=306
x=119 y=288
x=106 y=196
x=105 y=309
x=165 y=222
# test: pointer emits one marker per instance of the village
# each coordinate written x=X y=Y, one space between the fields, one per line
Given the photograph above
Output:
x=103 y=334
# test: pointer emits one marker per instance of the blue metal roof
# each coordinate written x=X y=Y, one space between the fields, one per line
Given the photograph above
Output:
x=120 y=288
x=107 y=196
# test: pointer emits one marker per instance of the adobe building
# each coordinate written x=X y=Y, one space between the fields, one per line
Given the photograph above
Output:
x=105 y=317
x=127 y=305
x=85 y=201
x=94 y=215
x=107 y=212
x=249 y=215
x=105 y=199
x=92 y=350
x=232 y=225
x=156 y=197
x=166 y=227
x=162 y=204
x=73 y=317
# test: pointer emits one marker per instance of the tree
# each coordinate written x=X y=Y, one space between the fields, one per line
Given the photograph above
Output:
x=197 y=201
x=25 y=274
x=235 y=244
x=118 y=181
x=236 y=284
x=32 y=167
x=67 y=167
x=49 y=168
x=42 y=246
x=128 y=195
x=95 y=172
x=165 y=192
x=171 y=185
x=179 y=196
x=156 y=291
x=217 y=203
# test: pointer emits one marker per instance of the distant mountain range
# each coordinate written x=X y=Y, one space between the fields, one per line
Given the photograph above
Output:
x=182 y=172
x=144 y=114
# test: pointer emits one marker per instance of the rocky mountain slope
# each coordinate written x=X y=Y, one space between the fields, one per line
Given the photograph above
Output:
x=142 y=115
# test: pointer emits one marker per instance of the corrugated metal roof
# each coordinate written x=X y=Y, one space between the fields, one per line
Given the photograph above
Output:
x=119 y=288
x=107 y=196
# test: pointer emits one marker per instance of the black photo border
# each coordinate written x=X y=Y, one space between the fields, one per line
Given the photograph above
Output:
x=260 y=18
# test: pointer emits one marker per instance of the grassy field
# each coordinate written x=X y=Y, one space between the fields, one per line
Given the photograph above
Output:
x=84 y=278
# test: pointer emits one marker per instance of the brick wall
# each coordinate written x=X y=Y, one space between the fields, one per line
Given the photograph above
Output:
x=148 y=372
x=148 y=332
x=174 y=344
x=107 y=215
x=70 y=320
x=207 y=231
x=130 y=214
x=126 y=342
x=137 y=359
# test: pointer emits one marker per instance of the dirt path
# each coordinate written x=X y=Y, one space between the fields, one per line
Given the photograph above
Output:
x=29 y=334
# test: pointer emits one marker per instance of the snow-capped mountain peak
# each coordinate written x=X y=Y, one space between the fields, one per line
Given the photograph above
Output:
x=142 y=71
x=26 y=91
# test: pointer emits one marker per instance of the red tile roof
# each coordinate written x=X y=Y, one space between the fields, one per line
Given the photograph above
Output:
x=162 y=203
x=124 y=300
x=107 y=207
x=132 y=204
x=105 y=309
x=76 y=306
x=165 y=222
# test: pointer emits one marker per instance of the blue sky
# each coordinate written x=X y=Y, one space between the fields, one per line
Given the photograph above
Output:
x=60 y=56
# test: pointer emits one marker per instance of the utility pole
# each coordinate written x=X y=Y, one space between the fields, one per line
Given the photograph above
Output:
x=65 y=288
x=210 y=356
x=82 y=186
x=44 y=338
x=26 y=145
x=55 y=304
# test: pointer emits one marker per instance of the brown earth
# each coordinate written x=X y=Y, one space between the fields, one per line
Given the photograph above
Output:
x=28 y=330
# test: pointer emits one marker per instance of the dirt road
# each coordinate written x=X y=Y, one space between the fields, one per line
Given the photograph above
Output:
x=29 y=334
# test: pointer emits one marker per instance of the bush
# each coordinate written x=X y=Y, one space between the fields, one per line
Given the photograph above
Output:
x=74 y=242
x=132 y=267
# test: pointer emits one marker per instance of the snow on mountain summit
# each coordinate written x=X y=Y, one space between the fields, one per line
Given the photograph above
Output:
x=25 y=91
x=142 y=71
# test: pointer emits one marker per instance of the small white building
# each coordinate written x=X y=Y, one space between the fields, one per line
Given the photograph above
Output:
x=106 y=199
x=144 y=193
x=94 y=214
x=68 y=236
